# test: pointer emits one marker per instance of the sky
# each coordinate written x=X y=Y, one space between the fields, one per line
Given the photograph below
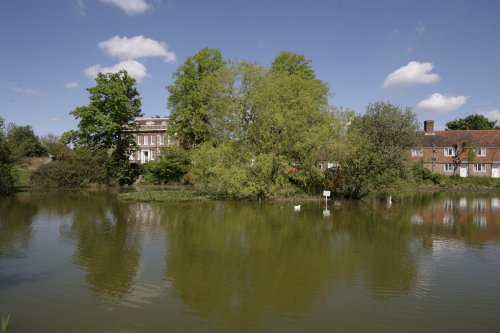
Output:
x=441 y=58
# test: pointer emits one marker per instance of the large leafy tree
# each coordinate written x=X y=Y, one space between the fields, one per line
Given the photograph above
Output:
x=270 y=128
x=6 y=179
x=378 y=160
x=472 y=122
x=190 y=95
x=106 y=121
x=23 y=142
x=292 y=63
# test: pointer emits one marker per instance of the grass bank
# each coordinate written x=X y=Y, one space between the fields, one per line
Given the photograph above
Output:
x=168 y=196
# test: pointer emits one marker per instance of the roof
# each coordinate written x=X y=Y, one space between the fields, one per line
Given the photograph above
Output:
x=151 y=121
x=481 y=138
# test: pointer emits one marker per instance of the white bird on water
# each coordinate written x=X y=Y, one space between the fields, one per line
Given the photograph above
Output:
x=296 y=208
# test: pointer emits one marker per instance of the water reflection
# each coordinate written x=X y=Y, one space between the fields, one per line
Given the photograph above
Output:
x=473 y=218
x=16 y=219
x=241 y=263
x=107 y=244
x=225 y=266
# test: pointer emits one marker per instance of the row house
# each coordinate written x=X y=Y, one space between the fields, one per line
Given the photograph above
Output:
x=460 y=152
x=150 y=137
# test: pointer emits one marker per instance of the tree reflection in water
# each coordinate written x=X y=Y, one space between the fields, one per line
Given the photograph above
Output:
x=240 y=263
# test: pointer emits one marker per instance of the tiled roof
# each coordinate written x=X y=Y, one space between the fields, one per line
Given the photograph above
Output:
x=482 y=138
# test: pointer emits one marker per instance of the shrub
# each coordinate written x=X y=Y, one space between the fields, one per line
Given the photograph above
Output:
x=83 y=168
x=171 y=166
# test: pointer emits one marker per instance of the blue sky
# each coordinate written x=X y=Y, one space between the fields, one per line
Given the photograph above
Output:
x=442 y=58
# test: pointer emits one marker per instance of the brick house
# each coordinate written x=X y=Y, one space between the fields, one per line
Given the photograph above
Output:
x=150 y=136
x=442 y=151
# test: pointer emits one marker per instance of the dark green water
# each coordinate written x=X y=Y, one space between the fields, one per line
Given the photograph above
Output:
x=74 y=262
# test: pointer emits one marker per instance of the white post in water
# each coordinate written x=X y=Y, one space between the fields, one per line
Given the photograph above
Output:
x=326 y=212
x=326 y=194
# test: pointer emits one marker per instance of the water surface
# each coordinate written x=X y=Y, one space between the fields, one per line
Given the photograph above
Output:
x=86 y=262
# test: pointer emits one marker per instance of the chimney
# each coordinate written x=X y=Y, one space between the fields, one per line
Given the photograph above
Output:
x=429 y=127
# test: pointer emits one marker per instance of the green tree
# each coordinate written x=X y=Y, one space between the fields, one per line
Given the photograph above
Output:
x=472 y=122
x=293 y=64
x=55 y=146
x=106 y=122
x=23 y=142
x=189 y=99
x=268 y=123
x=378 y=160
x=6 y=178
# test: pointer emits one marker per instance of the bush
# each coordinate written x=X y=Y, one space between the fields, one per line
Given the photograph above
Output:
x=171 y=166
x=424 y=175
x=83 y=168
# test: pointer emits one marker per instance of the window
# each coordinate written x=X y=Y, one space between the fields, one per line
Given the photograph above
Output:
x=481 y=152
x=152 y=140
x=479 y=167
x=146 y=140
x=449 y=151
x=139 y=139
x=161 y=140
x=417 y=152
x=448 y=167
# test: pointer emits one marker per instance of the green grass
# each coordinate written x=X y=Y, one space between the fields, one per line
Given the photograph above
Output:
x=5 y=321
x=167 y=196
x=22 y=177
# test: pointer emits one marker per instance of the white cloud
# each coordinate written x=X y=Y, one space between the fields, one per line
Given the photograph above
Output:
x=54 y=119
x=80 y=7
x=134 y=68
x=136 y=47
x=420 y=29
x=492 y=115
x=23 y=90
x=71 y=85
x=131 y=7
x=413 y=73
x=437 y=103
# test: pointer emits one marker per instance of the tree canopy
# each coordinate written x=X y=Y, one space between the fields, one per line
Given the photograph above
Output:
x=23 y=142
x=293 y=64
x=106 y=121
x=377 y=158
x=6 y=179
x=189 y=97
x=472 y=122
x=261 y=124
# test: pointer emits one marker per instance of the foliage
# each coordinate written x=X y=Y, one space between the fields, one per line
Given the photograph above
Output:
x=5 y=321
x=6 y=178
x=472 y=122
x=464 y=150
x=21 y=176
x=105 y=123
x=170 y=166
x=23 y=142
x=84 y=167
x=293 y=64
x=422 y=175
x=55 y=147
x=378 y=160
x=190 y=109
x=167 y=196
x=267 y=123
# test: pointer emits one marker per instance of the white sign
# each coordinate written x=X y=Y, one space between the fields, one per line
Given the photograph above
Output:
x=326 y=193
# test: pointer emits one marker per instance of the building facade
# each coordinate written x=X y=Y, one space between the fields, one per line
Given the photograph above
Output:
x=459 y=152
x=150 y=137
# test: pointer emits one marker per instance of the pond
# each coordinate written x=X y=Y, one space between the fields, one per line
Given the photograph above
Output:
x=86 y=262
